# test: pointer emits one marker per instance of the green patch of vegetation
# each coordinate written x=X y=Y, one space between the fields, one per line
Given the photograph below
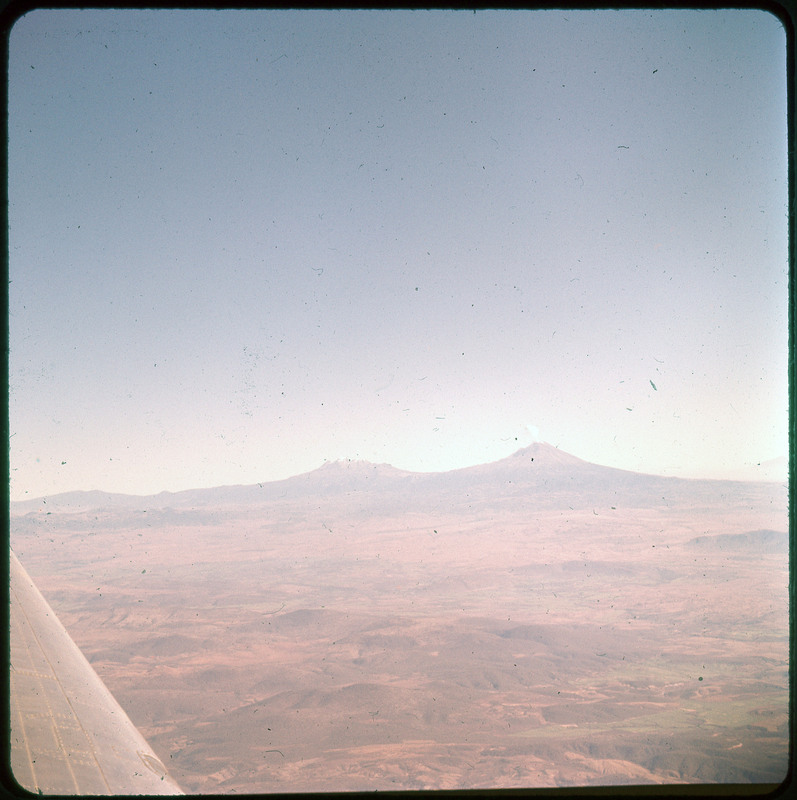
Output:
x=709 y=714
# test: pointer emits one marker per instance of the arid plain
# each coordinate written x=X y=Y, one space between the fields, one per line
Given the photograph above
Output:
x=535 y=622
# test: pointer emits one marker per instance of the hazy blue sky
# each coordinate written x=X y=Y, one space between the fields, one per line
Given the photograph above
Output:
x=243 y=243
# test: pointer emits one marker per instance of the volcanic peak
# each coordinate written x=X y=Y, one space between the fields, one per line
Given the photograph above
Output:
x=546 y=455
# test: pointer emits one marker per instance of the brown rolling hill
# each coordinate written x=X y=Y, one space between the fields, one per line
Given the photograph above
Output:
x=537 y=621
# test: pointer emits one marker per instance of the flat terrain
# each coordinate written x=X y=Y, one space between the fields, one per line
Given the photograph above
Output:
x=473 y=639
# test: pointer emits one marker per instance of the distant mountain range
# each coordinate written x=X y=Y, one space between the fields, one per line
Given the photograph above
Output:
x=541 y=475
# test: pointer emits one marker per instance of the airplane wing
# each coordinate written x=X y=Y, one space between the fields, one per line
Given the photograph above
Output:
x=68 y=734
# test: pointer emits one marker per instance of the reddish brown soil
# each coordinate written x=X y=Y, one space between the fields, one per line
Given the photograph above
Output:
x=302 y=647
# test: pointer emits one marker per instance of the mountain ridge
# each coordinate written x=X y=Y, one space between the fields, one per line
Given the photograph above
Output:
x=537 y=469
x=343 y=471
